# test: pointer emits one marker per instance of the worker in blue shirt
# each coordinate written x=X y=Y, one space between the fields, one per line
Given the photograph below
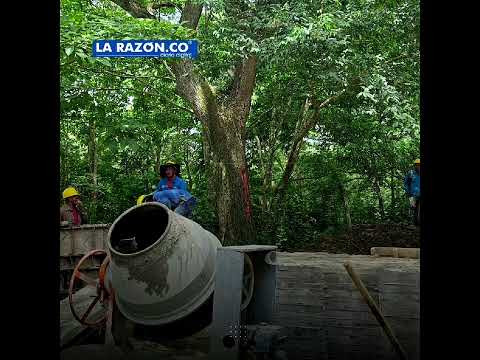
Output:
x=172 y=190
x=411 y=184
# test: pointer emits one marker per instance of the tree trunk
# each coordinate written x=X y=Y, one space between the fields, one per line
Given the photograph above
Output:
x=267 y=181
x=377 y=190
x=233 y=195
x=393 y=198
x=267 y=168
x=92 y=157
x=346 y=206
x=224 y=129
x=272 y=145
x=208 y=163
x=186 y=149
x=158 y=159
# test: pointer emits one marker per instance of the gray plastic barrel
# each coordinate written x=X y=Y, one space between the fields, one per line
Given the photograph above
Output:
x=162 y=265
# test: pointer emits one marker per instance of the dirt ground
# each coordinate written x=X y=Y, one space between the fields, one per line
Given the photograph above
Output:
x=362 y=237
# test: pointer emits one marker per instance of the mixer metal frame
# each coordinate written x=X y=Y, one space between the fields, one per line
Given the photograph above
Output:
x=231 y=328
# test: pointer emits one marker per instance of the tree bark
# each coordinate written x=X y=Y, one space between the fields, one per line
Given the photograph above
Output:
x=346 y=206
x=302 y=127
x=92 y=157
x=263 y=198
x=378 y=192
x=135 y=8
x=186 y=149
x=393 y=199
x=272 y=148
x=158 y=159
x=223 y=124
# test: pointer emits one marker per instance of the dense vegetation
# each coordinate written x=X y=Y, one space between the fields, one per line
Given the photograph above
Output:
x=317 y=102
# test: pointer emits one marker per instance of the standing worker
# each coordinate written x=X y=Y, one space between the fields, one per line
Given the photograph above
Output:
x=411 y=184
x=73 y=212
x=172 y=190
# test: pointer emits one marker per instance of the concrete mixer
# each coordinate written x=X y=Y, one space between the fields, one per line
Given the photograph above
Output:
x=163 y=275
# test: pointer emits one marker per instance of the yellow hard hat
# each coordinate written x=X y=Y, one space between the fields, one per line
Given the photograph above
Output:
x=140 y=199
x=69 y=192
x=417 y=162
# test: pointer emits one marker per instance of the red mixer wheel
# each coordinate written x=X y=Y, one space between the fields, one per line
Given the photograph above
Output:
x=99 y=284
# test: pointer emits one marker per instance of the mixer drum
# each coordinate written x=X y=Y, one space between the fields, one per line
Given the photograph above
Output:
x=162 y=268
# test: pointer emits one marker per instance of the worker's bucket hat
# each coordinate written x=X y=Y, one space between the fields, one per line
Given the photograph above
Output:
x=164 y=167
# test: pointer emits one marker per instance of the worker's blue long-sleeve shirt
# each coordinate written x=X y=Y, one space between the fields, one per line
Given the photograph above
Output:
x=178 y=183
x=411 y=184
x=171 y=196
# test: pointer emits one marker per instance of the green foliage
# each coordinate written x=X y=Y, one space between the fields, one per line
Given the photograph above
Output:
x=126 y=111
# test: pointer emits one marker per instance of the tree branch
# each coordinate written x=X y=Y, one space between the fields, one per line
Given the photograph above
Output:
x=125 y=75
x=146 y=83
x=307 y=123
x=166 y=5
x=189 y=83
x=135 y=9
x=168 y=68
x=192 y=87
x=191 y=15
x=242 y=89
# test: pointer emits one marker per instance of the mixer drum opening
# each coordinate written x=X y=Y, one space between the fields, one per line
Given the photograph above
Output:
x=140 y=228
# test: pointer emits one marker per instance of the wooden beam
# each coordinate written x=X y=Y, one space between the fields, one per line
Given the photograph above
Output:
x=410 y=253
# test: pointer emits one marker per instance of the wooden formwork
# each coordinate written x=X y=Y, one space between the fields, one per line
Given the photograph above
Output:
x=327 y=317
x=79 y=240
x=75 y=242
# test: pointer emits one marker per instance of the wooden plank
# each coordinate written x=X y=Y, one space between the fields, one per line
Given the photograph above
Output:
x=325 y=260
x=315 y=291
x=412 y=253
x=406 y=328
x=400 y=308
x=308 y=297
x=327 y=323
x=376 y=310
x=311 y=341
x=323 y=307
x=324 y=285
x=399 y=294
x=321 y=277
x=77 y=241
x=400 y=290
x=252 y=248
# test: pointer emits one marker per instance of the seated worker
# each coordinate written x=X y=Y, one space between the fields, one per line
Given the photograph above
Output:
x=172 y=190
x=73 y=212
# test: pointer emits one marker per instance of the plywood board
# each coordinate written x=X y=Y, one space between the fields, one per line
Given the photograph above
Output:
x=314 y=291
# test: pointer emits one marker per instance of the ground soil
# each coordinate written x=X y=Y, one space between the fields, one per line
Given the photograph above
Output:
x=362 y=237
